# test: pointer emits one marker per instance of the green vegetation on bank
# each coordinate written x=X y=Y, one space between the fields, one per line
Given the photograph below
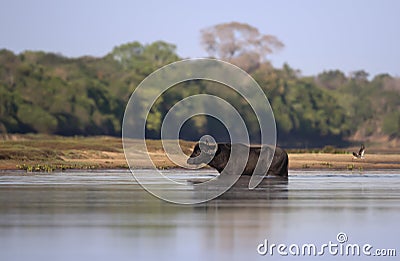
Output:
x=50 y=94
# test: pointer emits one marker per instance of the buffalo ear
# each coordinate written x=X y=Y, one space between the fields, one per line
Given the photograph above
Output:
x=218 y=149
x=196 y=147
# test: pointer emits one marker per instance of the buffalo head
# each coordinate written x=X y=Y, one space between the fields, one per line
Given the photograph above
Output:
x=202 y=153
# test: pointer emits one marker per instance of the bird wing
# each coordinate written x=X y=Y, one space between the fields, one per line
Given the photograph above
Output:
x=362 y=150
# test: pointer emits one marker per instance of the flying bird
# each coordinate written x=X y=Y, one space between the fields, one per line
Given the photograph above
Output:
x=360 y=154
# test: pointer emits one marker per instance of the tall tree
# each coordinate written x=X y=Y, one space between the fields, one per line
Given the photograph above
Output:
x=239 y=43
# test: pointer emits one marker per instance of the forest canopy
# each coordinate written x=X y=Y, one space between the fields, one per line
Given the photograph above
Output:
x=48 y=93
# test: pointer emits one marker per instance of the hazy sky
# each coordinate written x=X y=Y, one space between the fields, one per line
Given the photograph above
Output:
x=318 y=34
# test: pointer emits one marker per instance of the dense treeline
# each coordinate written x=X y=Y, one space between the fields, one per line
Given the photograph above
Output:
x=48 y=93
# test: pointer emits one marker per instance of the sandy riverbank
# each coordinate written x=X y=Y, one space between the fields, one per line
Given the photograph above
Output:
x=48 y=153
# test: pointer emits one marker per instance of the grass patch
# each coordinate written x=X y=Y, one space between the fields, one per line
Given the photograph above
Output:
x=53 y=167
x=327 y=164
x=327 y=149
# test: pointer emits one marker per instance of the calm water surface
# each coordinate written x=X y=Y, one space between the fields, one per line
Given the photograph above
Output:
x=105 y=215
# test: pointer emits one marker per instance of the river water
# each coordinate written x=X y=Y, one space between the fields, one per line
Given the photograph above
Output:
x=106 y=215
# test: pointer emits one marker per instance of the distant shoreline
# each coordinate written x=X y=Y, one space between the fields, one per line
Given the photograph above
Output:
x=54 y=153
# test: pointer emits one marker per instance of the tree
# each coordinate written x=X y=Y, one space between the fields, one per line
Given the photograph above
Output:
x=144 y=59
x=332 y=79
x=239 y=43
x=359 y=76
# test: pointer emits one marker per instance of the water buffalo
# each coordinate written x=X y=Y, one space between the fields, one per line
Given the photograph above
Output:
x=219 y=160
